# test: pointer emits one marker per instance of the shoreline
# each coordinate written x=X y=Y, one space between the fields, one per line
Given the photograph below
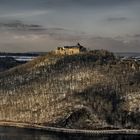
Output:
x=71 y=131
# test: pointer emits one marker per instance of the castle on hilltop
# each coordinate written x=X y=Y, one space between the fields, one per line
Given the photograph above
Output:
x=69 y=50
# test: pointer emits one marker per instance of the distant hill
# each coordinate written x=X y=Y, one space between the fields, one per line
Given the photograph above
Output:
x=91 y=90
x=8 y=62
x=127 y=54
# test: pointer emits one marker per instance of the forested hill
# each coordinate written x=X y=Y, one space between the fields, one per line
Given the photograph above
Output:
x=90 y=90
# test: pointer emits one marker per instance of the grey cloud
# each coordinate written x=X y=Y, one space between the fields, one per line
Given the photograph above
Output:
x=22 y=35
x=136 y=36
x=114 y=19
x=19 y=26
x=20 y=29
x=74 y=14
x=98 y=42
x=114 y=45
x=52 y=39
x=132 y=37
x=91 y=2
x=62 y=3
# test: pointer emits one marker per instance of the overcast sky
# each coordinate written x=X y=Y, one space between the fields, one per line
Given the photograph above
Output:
x=43 y=25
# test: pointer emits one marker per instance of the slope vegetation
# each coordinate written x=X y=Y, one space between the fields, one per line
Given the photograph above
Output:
x=91 y=90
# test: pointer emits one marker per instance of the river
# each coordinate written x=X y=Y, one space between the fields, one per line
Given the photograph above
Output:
x=10 y=133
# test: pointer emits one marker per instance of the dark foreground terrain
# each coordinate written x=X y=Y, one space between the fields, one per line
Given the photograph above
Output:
x=91 y=90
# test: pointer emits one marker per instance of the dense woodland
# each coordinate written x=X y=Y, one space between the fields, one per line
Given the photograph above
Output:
x=91 y=90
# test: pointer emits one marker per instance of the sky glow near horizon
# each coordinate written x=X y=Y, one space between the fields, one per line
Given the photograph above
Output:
x=43 y=25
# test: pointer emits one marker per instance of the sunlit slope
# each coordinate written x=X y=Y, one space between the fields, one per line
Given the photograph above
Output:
x=89 y=90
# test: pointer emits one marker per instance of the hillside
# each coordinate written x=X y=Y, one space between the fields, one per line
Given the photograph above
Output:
x=90 y=90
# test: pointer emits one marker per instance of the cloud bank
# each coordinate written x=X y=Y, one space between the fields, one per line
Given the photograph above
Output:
x=42 y=25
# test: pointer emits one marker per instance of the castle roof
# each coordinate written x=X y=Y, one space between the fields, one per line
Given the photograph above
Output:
x=69 y=47
x=77 y=46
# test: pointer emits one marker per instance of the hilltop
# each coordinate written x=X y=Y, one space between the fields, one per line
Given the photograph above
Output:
x=89 y=90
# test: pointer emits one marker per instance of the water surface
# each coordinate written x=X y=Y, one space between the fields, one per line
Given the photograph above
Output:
x=10 y=133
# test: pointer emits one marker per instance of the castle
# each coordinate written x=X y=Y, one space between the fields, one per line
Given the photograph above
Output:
x=69 y=50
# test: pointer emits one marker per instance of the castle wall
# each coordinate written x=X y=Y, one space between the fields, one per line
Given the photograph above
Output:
x=68 y=51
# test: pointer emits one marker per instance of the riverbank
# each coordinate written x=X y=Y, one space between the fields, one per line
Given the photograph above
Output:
x=71 y=131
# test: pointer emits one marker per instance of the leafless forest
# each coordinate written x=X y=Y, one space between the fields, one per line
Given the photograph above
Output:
x=89 y=90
